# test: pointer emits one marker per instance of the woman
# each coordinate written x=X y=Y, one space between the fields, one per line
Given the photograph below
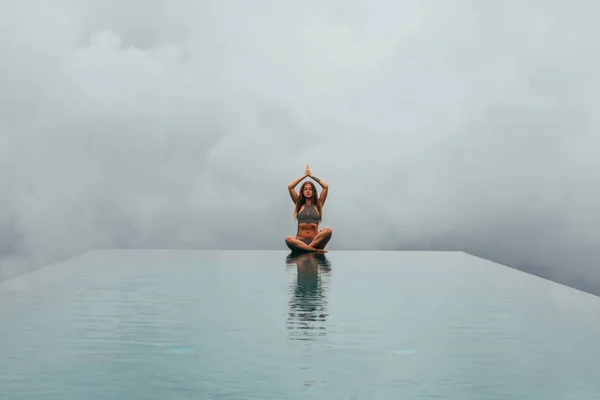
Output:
x=308 y=211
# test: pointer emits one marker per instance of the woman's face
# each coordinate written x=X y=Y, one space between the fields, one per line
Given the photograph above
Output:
x=307 y=191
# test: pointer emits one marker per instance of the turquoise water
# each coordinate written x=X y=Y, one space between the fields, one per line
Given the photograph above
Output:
x=262 y=325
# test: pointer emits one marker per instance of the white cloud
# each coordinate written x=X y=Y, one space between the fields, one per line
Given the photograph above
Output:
x=466 y=125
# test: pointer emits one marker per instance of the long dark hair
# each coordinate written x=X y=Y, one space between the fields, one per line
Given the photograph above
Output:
x=302 y=200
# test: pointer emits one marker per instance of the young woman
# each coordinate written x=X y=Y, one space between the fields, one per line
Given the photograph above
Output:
x=308 y=211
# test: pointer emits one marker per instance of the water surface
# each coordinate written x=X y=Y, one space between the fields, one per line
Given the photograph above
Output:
x=266 y=325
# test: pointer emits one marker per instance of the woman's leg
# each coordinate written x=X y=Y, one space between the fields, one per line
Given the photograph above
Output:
x=296 y=244
x=322 y=238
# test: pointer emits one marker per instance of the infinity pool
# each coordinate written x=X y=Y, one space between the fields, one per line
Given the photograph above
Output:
x=264 y=325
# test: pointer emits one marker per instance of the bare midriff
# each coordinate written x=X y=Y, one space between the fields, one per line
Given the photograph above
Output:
x=307 y=231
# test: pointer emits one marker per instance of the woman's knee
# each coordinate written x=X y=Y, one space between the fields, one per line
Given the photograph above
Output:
x=289 y=239
x=327 y=230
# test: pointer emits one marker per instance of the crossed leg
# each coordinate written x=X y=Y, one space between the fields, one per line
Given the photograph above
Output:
x=317 y=245
x=297 y=245
x=322 y=238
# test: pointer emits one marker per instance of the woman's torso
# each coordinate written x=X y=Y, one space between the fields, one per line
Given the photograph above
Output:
x=308 y=221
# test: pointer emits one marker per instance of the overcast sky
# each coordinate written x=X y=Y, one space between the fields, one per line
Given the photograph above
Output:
x=463 y=125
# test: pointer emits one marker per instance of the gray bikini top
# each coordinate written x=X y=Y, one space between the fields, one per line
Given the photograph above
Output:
x=309 y=215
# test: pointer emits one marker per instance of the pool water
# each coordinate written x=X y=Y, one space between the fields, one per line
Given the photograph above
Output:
x=268 y=325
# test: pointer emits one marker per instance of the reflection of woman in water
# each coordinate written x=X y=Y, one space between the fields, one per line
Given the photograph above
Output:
x=308 y=211
x=308 y=303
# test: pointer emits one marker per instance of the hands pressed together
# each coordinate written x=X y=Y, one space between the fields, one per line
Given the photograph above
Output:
x=307 y=171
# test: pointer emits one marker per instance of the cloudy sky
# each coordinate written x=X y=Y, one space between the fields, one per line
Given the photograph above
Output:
x=461 y=125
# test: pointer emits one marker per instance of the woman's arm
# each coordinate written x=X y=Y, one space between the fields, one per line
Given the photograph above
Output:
x=325 y=190
x=292 y=185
